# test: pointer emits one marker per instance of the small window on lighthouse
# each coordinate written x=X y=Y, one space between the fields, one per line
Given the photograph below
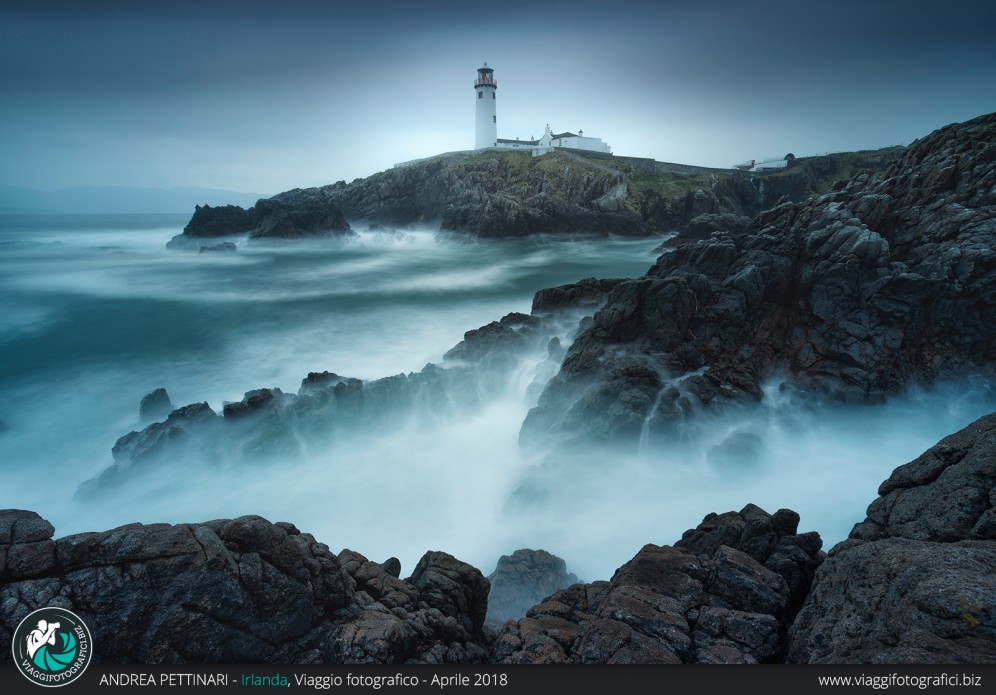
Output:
x=492 y=95
x=480 y=95
x=494 y=119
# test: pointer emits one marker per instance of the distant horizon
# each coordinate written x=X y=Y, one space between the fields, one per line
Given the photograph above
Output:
x=256 y=95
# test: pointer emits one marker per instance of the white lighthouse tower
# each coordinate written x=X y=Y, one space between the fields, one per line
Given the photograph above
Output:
x=487 y=119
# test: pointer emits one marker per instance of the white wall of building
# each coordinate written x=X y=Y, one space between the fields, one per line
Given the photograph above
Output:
x=581 y=143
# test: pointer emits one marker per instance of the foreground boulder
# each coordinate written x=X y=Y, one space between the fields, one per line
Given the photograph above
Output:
x=711 y=601
x=881 y=283
x=239 y=590
x=916 y=580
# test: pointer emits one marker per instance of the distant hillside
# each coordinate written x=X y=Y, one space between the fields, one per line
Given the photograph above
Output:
x=124 y=199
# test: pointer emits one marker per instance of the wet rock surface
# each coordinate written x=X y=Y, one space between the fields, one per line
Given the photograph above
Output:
x=916 y=580
x=725 y=593
x=236 y=591
x=883 y=282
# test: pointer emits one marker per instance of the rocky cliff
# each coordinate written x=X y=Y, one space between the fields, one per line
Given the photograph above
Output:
x=507 y=194
x=915 y=583
x=498 y=193
x=884 y=281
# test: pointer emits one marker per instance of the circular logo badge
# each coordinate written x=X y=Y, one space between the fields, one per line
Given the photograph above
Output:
x=52 y=647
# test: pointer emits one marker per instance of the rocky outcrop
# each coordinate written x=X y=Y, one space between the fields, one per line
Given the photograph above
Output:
x=703 y=226
x=884 y=282
x=725 y=593
x=523 y=579
x=246 y=590
x=180 y=434
x=295 y=214
x=155 y=406
x=916 y=580
x=299 y=213
x=239 y=590
x=332 y=408
x=224 y=220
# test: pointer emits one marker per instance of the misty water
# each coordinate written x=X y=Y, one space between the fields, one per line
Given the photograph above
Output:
x=95 y=312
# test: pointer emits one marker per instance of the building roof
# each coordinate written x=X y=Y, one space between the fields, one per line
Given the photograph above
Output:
x=519 y=142
x=563 y=135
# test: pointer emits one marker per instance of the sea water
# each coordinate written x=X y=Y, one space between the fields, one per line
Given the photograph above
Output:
x=95 y=313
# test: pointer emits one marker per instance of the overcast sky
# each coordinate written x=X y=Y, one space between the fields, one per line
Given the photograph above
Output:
x=266 y=96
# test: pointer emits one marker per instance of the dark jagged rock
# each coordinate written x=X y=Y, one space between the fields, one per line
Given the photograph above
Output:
x=299 y=213
x=392 y=566
x=588 y=293
x=663 y=606
x=135 y=447
x=295 y=214
x=454 y=588
x=514 y=331
x=179 y=435
x=916 y=580
x=884 y=282
x=236 y=591
x=523 y=579
x=771 y=539
x=155 y=405
x=493 y=194
x=703 y=226
x=224 y=220
x=725 y=593
x=254 y=401
x=332 y=408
